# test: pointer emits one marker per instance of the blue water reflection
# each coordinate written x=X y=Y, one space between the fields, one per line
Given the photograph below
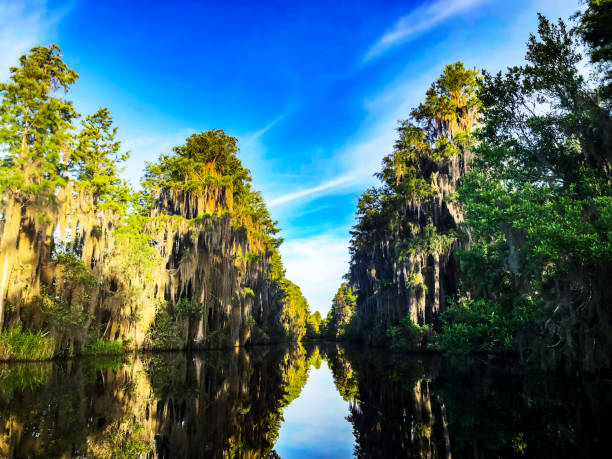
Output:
x=315 y=424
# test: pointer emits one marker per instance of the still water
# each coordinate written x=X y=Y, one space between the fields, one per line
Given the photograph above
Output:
x=313 y=401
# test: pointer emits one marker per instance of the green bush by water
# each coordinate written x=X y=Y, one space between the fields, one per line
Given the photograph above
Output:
x=25 y=345
x=105 y=347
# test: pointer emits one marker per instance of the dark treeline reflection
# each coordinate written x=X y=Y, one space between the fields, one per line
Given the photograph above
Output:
x=431 y=407
x=210 y=404
x=230 y=404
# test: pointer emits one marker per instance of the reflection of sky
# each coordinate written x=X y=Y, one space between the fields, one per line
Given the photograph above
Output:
x=315 y=423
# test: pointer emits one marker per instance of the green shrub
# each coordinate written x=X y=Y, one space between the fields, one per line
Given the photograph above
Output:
x=25 y=345
x=104 y=347
x=476 y=325
x=408 y=336
x=218 y=340
x=166 y=332
x=188 y=309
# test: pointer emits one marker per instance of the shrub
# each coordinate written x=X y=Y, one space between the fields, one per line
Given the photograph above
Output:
x=166 y=332
x=218 y=340
x=188 y=309
x=25 y=345
x=477 y=325
x=104 y=347
x=408 y=336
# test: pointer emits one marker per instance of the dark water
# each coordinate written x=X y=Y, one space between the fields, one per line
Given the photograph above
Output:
x=313 y=401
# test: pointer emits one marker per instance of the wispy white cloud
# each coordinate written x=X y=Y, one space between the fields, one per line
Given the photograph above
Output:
x=256 y=136
x=23 y=25
x=423 y=18
x=353 y=164
x=317 y=265
x=309 y=191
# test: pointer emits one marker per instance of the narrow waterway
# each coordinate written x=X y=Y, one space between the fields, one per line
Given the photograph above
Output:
x=315 y=424
x=304 y=401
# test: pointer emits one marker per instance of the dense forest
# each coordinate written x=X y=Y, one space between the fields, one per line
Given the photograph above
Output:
x=492 y=229
x=489 y=234
x=90 y=266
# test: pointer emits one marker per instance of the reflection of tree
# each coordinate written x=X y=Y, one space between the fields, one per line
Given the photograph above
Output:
x=230 y=404
x=492 y=412
x=424 y=406
x=392 y=411
x=345 y=378
x=213 y=404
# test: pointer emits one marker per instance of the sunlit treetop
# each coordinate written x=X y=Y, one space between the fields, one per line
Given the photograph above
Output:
x=207 y=159
x=436 y=130
x=35 y=122
x=451 y=103
x=96 y=157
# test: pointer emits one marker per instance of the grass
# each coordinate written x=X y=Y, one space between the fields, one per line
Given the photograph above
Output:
x=104 y=347
x=25 y=345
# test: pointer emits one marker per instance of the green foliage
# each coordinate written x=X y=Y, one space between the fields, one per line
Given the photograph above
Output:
x=253 y=257
x=435 y=131
x=416 y=282
x=313 y=325
x=95 y=160
x=408 y=336
x=73 y=271
x=135 y=254
x=538 y=204
x=63 y=317
x=35 y=125
x=207 y=160
x=340 y=313
x=295 y=311
x=166 y=332
x=219 y=339
x=66 y=309
x=251 y=203
x=189 y=309
x=25 y=345
x=481 y=326
x=105 y=347
x=594 y=28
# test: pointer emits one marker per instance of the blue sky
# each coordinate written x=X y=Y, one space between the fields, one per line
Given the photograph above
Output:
x=313 y=90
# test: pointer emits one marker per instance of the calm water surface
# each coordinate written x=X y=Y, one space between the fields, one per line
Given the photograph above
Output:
x=313 y=401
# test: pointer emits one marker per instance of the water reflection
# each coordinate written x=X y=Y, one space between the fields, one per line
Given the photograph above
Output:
x=427 y=406
x=315 y=423
x=335 y=401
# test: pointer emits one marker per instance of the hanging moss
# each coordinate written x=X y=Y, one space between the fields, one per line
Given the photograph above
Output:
x=402 y=247
x=93 y=263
